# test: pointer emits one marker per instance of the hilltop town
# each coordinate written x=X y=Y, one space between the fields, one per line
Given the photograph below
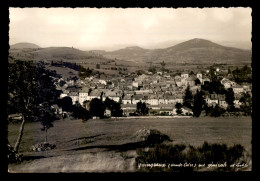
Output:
x=160 y=91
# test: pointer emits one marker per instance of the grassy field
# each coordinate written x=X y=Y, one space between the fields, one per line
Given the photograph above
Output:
x=104 y=138
x=64 y=71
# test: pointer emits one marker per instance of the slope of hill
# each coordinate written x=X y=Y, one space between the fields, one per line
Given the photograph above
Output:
x=52 y=53
x=61 y=52
x=24 y=45
x=195 y=51
x=133 y=53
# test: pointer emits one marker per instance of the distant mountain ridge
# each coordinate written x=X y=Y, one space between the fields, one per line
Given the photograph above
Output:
x=23 y=45
x=196 y=50
x=50 y=53
x=61 y=52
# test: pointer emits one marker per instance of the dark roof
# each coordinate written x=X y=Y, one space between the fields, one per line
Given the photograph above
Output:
x=128 y=105
x=138 y=96
x=127 y=97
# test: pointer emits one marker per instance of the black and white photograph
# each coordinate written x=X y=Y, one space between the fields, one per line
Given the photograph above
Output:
x=129 y=90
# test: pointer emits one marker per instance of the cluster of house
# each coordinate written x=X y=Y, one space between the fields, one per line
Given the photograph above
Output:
x=159 y=91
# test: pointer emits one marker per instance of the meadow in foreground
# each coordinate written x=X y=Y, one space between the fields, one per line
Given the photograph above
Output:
x=82 y=145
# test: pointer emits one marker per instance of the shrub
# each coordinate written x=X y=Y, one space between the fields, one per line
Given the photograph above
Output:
x=181 y=154
x=161 y=154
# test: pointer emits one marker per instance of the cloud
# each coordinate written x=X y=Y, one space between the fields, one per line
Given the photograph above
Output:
x=90 y=27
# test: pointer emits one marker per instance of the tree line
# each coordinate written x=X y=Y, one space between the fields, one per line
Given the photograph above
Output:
x=197 y=102
x=243 y=74
x=83 y=72
x=96 y=108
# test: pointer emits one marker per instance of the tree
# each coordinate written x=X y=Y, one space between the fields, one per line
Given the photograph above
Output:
x=217 y=87
x=217 y=111
x=214 y=87
x=140 y=72
x=188 y=98
x=242 y=75
x=74 y=78
x=29 y=85
x=163 y=65
x=80 y=113
x=89 y=91
x=141 y=108
x=85 y=104
x=198 y=104
x=230 y=99
x=229 y=71
x=208 y=109
x=246 y=101
x=152 y=69
x=212 y=74
x=97 y=108
x=114 y=107
x=46 y=116
x=178 y=107
x=197 y=81
x=83 y=72
x=66 y=103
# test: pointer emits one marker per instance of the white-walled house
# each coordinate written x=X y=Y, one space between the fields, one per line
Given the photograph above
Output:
x=135 y=84
x=211 y=99
x=178 y=83
x=238 y=89
x=236 y=101
x=247 y=87
x=102 y=82
x=128 y=108
x=127 y=99
x=107 y=112
x=115 y=95
x=147 y=91
x=63 y=95
x=179 y=98
x=199 y=76
x=222 y=101
x=228 y=83
x=152 y=100
x=184 y=75
x=83 y=95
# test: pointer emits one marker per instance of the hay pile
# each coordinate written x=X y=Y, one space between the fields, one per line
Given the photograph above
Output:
x=43 y=147
x=150 y=136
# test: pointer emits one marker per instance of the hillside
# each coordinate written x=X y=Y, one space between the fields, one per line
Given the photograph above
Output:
x=196 y=51
x=133 y=53
x=24 y=45
x=61 y=52
x=52 y=53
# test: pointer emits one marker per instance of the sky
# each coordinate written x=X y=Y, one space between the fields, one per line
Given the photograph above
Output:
x=105 y=28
